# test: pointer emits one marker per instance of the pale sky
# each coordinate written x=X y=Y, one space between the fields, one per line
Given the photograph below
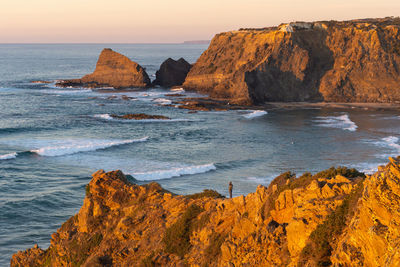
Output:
x=165 y=21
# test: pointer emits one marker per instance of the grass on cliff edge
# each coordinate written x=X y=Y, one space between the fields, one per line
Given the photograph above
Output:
x=319 y=247
x=177 y=236
x=206 y=193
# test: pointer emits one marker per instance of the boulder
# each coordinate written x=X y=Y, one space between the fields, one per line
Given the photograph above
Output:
x=112 y=70
x=172 y=72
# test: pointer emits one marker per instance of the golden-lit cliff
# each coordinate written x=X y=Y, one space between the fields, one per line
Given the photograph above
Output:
x=349 y=61
x=334 y=217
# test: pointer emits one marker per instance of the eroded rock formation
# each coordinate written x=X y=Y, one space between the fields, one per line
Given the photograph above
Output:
x=172 y=72
x=350 y=61
x=112 y=70
x=334 y=217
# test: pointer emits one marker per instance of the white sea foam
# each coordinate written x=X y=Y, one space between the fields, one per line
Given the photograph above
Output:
x=104 y=116
x=341 y=122
x=68 y=91
x=162 y=101
x=255 y=113
x=174 y=172
x=8 y=156
x=67 y=147
x=390 y=141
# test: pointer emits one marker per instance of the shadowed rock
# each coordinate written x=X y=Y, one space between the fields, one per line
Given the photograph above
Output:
x=112 y=70
x=172 y=72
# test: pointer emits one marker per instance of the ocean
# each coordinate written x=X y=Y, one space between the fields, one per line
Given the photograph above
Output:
x=52 y=139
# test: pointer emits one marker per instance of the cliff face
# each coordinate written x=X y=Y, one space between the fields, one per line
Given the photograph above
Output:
x=335 y=216
x=373 y=235
x=113 y=70
x=353 y=61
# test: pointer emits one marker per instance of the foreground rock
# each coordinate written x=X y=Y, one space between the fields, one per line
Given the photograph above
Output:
x=351 y=61
x=336 y=216
x=139 y=116
x=112 y=70
x=172 y=72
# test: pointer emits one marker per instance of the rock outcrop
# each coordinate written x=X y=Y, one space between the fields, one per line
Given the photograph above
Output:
x=372 y=237
x=112 y=70
x=334 y=217
x=139 y=116
x=350 y=61
x=172 y=72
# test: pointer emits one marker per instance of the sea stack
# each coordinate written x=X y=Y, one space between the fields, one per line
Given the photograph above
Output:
x=112 y=70
x=172 y=72
x=331 y=61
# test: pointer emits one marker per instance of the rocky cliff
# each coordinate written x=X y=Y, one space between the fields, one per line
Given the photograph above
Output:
x=112 y=70
x=334 y=217
x=349 y=61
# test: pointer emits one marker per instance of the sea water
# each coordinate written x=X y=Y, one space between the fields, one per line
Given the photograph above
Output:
x=52 y=139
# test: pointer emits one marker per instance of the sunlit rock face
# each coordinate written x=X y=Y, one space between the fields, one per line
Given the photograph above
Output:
x=112 y=70
x=124 y=224
x=350 y=61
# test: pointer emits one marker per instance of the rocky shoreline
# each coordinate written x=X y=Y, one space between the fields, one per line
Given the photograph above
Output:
x=326 y=62
x=338 y=216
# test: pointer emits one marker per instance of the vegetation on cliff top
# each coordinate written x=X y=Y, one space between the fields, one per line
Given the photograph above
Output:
x=177 y=236
x=319 y=247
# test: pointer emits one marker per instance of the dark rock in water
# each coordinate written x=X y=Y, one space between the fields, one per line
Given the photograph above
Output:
x=172 y=72
x=112 y=70
x=139 y=116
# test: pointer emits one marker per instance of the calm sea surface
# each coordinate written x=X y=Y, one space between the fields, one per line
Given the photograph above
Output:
x=52 y=139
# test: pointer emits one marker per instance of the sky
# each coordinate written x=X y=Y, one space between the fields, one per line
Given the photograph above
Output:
x=165 y=21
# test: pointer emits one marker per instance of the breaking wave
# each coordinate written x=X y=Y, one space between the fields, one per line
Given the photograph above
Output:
x=76 y=146
x=341 y=122
x=9 y=156
x=255 y=114
x=109 y=118
x=174 y=172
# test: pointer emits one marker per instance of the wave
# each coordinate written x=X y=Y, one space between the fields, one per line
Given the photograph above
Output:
x=9 y=156
x=103 y=116
x=162 y=101
x=255 y=113
x=109 y=118
x=175 y=172
x=68 y=91
x=77 y=146
x=341 y=122
x=390 y=141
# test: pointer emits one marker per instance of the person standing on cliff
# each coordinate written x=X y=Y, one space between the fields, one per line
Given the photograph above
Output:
x=230 y=189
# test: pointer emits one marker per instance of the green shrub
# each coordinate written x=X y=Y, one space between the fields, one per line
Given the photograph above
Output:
x=344 y=171
x=87 y=190
x=206 y=193
x=177 y=236
x=213 y=250
x=80 y=249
